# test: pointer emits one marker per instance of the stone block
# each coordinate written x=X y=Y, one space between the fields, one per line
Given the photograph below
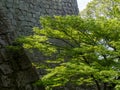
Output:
x=1 y=5
x=2 y=42
x=13 y=22
x=24 y=63
x=21 y=4
x=28 y=87
x=16 y=1
x=21 y=18
x=24 y=24
x=29 y=15
x=27 y=76
x=6 y=69
x=12 y=11
x=6 y=81
x=3 y=54
x=33 y=20
x=9 y=5
x=9 y=1
x=31 y=5
x=21 y=59
x=1 y=58
x=24 y=12
x=10 y=15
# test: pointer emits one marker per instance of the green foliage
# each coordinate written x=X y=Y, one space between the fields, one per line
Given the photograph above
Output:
x=87 y=50
x=104 y=8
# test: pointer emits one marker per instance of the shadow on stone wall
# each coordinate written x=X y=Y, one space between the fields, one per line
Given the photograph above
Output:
x=16 y=70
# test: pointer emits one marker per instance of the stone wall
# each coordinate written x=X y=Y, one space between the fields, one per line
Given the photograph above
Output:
x=24 y=14
x=18 y=17
x=16 y=71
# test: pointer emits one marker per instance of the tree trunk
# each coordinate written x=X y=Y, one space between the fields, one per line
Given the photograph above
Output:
x=105 y=86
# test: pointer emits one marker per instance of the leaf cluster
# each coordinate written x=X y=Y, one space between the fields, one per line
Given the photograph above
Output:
x=88 y=50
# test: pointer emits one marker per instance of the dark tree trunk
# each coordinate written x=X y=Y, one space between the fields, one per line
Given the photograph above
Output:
x=105 y=86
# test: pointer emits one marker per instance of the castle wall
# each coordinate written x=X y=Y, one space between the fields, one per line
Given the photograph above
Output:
x=16 y=70
x=18 y=17
x=24 y=14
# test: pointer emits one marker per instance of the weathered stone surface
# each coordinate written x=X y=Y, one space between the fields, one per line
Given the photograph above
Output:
x=25 y=77
x=19 y=10
x=5 y=68
x=6 y=81
x=23 y=61
x=2 y=55
x=11 y=65
x=28 y=87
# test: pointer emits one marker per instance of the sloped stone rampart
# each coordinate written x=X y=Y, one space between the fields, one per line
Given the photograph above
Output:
x=16 y=70
x=18 y=17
